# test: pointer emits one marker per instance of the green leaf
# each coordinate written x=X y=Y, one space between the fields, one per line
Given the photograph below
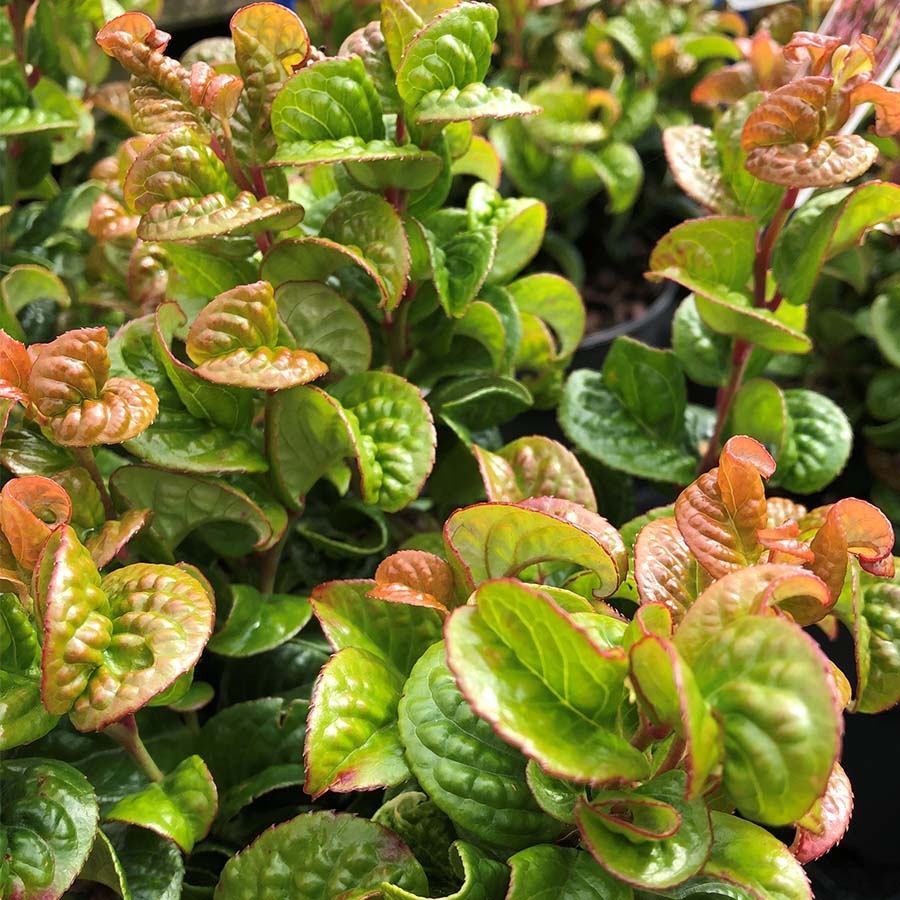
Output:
x=641 y=858
x=559 y=707
x=620 y=168
x=331 y=855
x=452 y=51
x=259 y=622
x=396 y=633
x=556 y=301
x=780 y=723
x=184 y=503
x=21 y=120
x=468 y=104
x=461 y=267
x=747 y=856
x=352 y=740
x=483 y=878
x=547 y=872
x=445 y=741
x=111 y=645
x=760 y=410
x=105 y=867
x=244 y=770
x=215 y=215
x=397 y=437
x=499 y=540
x=878 y=643
x=480 y=401
x=401 y=20
x=598 y=423
x=154 y=867
x=703 y=353
x=23 y=717
x=333 y=99
x=885 y=313
x=49 y=817
x=819 y=442
x=309 y=436
x=695 y=162
x=830 y=223
x=181 y=807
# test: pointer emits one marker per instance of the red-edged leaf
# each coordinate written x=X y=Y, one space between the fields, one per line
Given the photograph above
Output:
x=720 y=514
x=785 y=544
x=115 y=534
x=792 y=114
x=217 y=93
x=15 y=367
x=887 y=106
x=665 y=569
x=780 y=509
x=834 y=160
x=423 y=574
x=827 y=822
x=31 y=506
x=852 y=528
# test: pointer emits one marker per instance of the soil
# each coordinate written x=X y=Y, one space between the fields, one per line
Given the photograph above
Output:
x=612 y=298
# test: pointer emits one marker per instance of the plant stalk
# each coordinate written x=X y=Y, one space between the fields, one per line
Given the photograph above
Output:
x=740 y=355
x=125 y=733
x=86 y=459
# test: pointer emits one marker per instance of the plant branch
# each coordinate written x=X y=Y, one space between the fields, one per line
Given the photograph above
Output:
x=764 y=246
x=740 y=355
x=125 y=733
x=86 y=459
x=270 y=560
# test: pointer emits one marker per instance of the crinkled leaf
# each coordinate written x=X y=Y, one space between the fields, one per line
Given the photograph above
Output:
x=181 y=807
x=428 y=577
x=23 y=717
x=470 y=103
x=49 y=817
x=461 y=267
x=397 y=438
x=215 y=216
x=396 y=633
x=327 y=101
x=352 y=739
x=669 y=695
x=483 y=878
x=498 y=651
x=111 y=537
x=154 y=866
x=499 y=540
x=184 y=503
x=597 y=422
x=445 y=741
x=480 y=401
x=548 y=872
x=179 y=163
x=335 y=854
x=534 y=467
x=31 y=506
x=819 y=444
x=828 y=821
x=259 y=622
x=749 y=857
x=656 y=861
x=452 y=51
x=782 y=728
x=834 y=160
x=875 y=624
x=693 y=158
x=111 y=645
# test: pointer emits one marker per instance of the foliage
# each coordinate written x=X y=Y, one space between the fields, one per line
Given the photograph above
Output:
x=751 y=267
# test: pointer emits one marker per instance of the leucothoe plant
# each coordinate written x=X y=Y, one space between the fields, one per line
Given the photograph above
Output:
x=751 y=267
x=550 y=706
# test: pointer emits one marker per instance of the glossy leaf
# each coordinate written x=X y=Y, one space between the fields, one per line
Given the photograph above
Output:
x=330 y=853
x=422 y=573
x=598 y=423
x=181 y=807
x=498 y=651
x=104 y=867
x=553 y=300
x=444 y=740
x=323 y=321
x=748 y=857
x=556 y=796
x=759 y=408
x=49 y=817
x=22 y=715
x=656 y=862
x=353 y=741
x=30 y=508
x=547 y=872
x=112 y=536
x=720 y=514
x=828 y=821
x=692 y=155
x=397 y=444
x=471 y=103
x=452 y=51
x=534 y=467
x=258 y=622
x=834 y=160
x=397 y=633
x=875 y=617
x=179 y=163
x=111 y=645
x=154 y=867
x=215 y=215
x=499 y=540
x=184 y=503
x=461 y=266
x=781 y=331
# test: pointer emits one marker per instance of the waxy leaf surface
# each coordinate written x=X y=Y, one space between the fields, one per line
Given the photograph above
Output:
x=470 y=773
x=47 y=826
x=548 y=872
x=498 y=651
x=876 y=620
x=154 y=866
x=352 y=738
x=827 y=822
x=319 y=856
x=181 y=807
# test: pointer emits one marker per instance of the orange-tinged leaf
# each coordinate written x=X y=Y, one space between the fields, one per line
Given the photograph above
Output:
x=828 y=821
x=217 y=93
x=780 y=509
x=266 y=32
x=852 y=527
x=720 y=514
x=31 y=506
x=791 y=114
x=785 y=544
x=113 y=535
x=835 y=160
x=887 y=105
x=110 y=221
x=813 y=47
x=421 y=572
x=264 y=369
x=243 y=318
x=15 y=367
x=665 y=569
